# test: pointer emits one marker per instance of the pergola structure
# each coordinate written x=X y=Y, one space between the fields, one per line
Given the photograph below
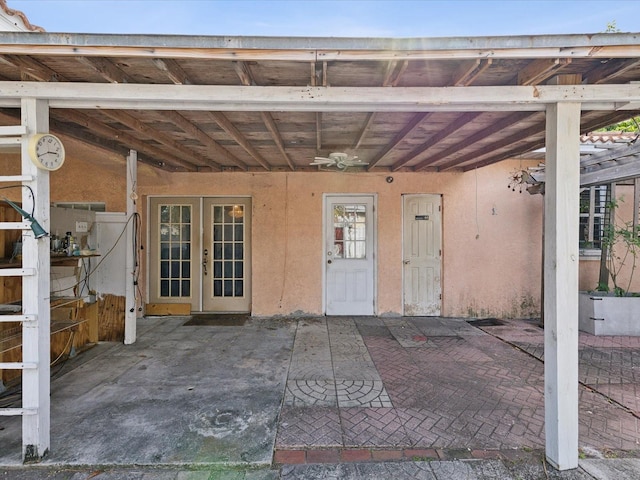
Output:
x=200 y=104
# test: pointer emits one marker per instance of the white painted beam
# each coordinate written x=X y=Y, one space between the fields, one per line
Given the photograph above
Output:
x=310 y=49
x=130 y=313
x=36 y=294
x=359 y=99
x=561 y=284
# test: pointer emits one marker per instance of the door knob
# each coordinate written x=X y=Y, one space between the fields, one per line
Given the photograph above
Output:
x=407 y=262
x=329 y=261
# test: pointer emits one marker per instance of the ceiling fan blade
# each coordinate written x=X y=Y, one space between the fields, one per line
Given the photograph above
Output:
x=322 y=161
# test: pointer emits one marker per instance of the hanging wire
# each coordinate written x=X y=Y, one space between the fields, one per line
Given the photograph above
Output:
x=33 y=206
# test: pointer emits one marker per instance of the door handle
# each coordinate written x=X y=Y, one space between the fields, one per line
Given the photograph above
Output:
x=205 y=253
x=329 y=261
x=406 y=262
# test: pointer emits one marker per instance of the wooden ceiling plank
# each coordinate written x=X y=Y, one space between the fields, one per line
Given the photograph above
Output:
x=217 y=150
x=611 y=70
x=539 y=70
x=454 y=126
x=470 y=70
x=33 y=68
x=173 y=70
x=507 y=121
x=106 y=68
x=415 y=121
x=129 y=140
x=240 y=139
x=135 y=124
x=275 y=134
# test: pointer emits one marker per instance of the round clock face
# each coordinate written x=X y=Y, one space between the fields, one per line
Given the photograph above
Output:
x=46 y=151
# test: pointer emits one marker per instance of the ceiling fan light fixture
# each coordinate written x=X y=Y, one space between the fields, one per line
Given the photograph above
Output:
x=339 y=161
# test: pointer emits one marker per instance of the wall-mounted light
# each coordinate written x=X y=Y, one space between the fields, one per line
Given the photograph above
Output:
x=37 y=229
x=237 y=211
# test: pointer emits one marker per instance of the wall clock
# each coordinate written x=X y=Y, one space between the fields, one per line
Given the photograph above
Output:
x=46 y=151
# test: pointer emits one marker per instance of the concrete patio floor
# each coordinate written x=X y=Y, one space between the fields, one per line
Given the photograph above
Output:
x=329 y=398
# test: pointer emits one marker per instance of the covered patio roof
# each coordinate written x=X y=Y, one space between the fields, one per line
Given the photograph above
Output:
x=273 y=104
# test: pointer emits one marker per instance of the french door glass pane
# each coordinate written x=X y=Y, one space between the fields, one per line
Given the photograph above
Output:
x=228 y=250
x=175 y=250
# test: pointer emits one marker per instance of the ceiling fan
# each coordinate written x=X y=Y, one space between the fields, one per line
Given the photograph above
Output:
x=339 y=160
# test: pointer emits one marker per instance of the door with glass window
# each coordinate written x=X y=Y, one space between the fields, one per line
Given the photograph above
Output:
x=225 y=255
x=349 y=255
x=199 y=253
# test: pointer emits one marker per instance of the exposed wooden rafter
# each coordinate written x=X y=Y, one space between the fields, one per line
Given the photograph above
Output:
x=540 y=70
x=470 y=70
x=392 y=76
x=32 y=68
x=160 y=154
x=470 y=140
x=167 y=141
x=534 y=143
x=445 y=132
x=107 y=69
x=174 y=72
x=240 y=139
x=612 y=69
x=275 y=134
x=401 y=135
x=246 y=77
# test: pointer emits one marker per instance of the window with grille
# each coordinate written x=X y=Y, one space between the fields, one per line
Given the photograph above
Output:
x=593 y=216
x=350 y=227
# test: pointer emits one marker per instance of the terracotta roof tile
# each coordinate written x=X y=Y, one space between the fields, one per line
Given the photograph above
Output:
x=11 y=13
x=608 y=137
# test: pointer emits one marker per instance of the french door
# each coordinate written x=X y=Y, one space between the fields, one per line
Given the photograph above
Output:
x=200 y=252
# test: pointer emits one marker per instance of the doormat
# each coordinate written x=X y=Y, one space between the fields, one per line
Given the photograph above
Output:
x=217 y=320
x=486 y=322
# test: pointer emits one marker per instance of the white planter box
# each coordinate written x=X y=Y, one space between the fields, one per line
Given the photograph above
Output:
x=609 y=315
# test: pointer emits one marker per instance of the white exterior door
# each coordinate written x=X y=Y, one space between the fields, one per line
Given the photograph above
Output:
x=422 y=254
x=350 y=255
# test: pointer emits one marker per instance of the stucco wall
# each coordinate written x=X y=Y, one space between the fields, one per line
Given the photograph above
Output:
x=491 y=235
x=628 y=276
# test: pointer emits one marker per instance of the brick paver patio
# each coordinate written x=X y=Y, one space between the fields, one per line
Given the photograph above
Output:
x=373 y=385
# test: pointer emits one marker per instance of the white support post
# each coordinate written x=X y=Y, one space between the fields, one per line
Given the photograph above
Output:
x=36 y=336
x=130 y=259
x=561 y=284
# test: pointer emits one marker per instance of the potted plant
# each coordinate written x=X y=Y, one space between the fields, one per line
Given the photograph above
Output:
x=614 y=311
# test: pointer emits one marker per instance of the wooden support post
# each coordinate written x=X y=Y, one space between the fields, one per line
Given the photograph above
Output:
x=36 y=337
x=130 y=313
x=561 y=284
